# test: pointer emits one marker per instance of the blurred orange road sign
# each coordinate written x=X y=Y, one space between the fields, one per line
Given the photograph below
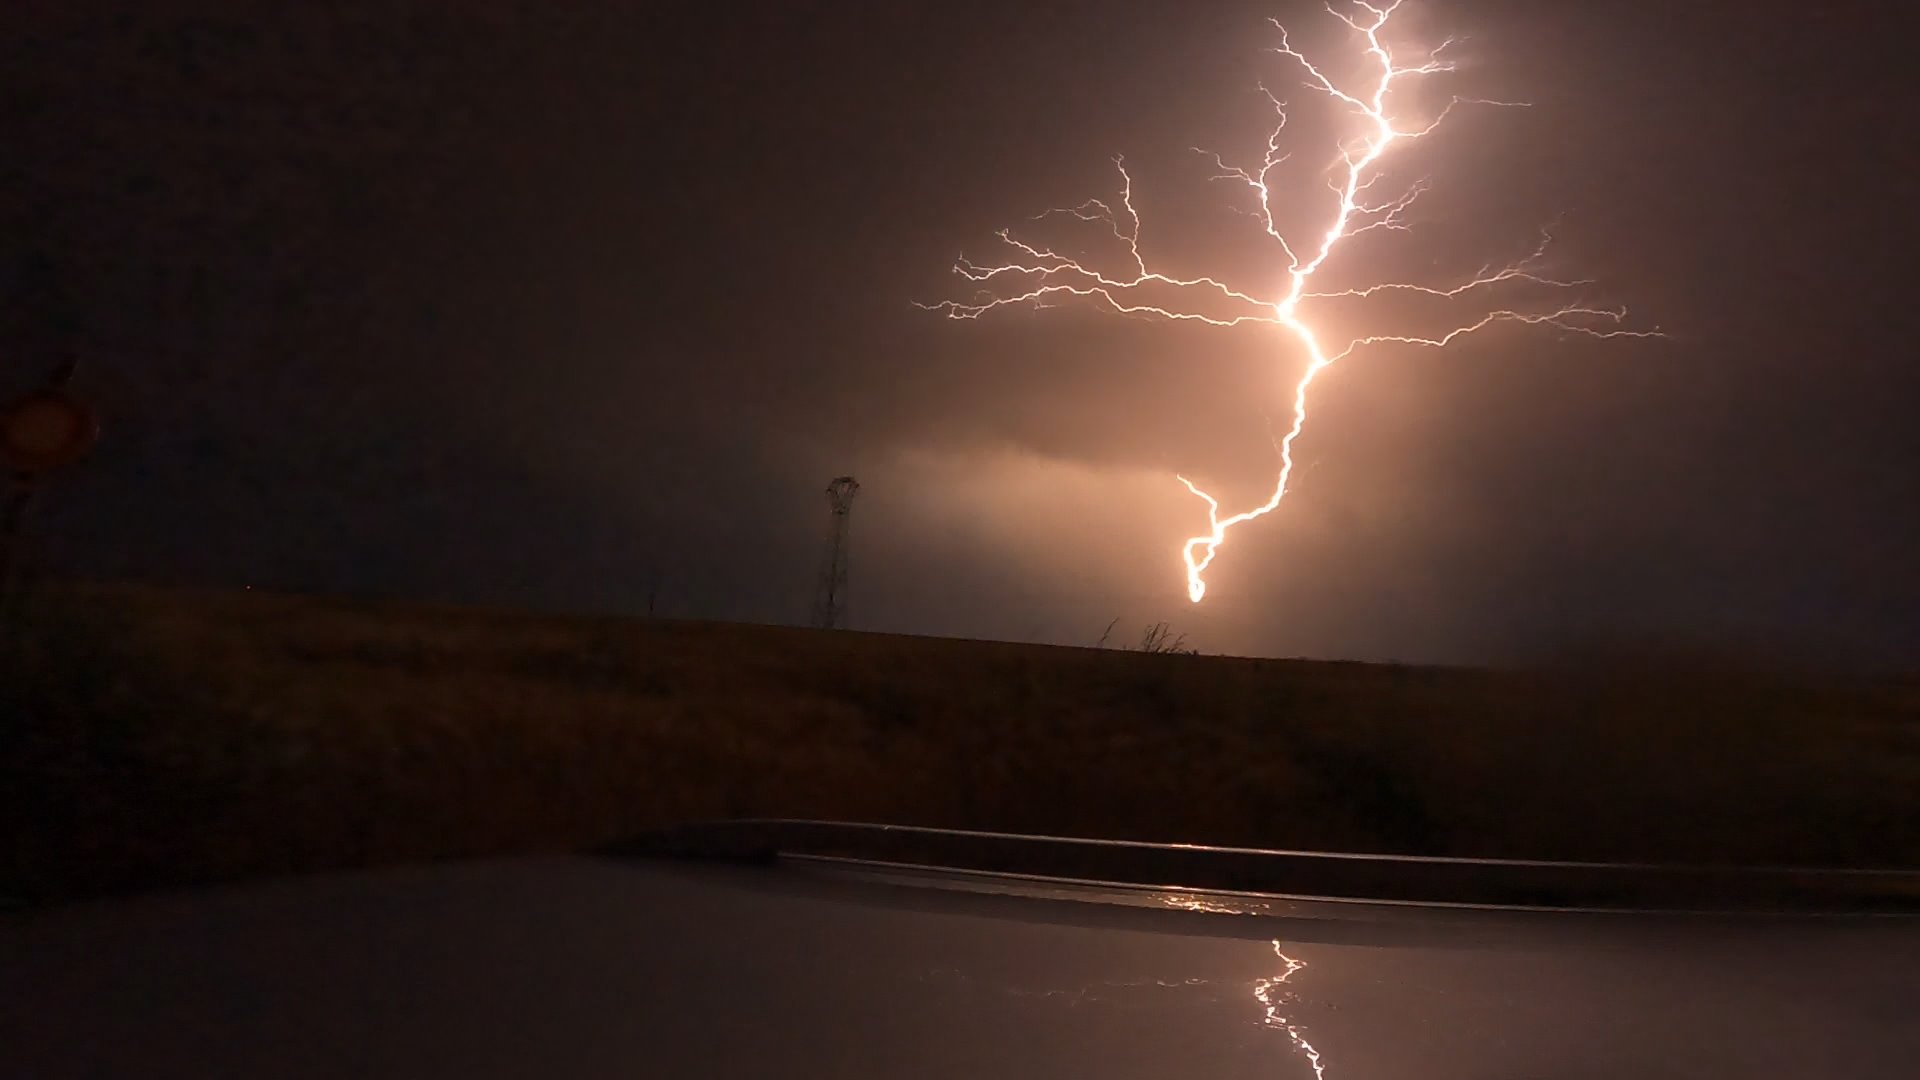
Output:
x=45 y=430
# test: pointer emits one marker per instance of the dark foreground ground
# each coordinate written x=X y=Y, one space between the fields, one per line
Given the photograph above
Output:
x=155 y=737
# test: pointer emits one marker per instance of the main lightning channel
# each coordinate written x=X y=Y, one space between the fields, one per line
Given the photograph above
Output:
x=1271 y=994
x=1286 y=312
x=1045 y=274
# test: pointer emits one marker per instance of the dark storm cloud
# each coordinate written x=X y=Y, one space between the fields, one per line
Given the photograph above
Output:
x=564 y=306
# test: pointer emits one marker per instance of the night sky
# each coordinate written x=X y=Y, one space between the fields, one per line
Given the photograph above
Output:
x=562 y=305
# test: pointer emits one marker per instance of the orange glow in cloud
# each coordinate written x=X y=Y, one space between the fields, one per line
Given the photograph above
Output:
x=1034 y=274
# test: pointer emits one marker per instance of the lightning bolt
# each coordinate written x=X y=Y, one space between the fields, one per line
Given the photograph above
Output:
x=1270 y=994
x=1039 y=275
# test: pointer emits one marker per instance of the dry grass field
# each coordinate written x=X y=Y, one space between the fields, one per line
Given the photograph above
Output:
x=155 y=737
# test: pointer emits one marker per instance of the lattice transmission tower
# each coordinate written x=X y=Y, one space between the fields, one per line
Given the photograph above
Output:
x=830 y=595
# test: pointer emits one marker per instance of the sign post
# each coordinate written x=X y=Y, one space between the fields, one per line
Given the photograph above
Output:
x=41 y=432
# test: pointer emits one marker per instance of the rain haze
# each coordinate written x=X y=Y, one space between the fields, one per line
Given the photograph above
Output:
x=579 y=307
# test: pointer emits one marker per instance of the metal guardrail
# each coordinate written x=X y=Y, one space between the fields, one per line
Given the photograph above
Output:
x=1315 y=875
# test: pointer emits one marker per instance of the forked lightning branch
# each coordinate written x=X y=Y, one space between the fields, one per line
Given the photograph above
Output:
x=1373 y=111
